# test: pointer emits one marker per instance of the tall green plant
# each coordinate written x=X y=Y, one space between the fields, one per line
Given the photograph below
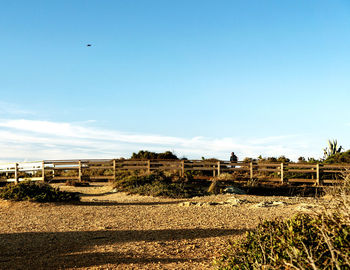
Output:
x=332 y=149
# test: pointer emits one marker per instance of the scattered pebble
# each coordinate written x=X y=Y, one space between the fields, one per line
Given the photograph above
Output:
x=269 y=204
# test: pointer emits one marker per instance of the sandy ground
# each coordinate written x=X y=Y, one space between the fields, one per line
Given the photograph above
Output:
x=116 y=231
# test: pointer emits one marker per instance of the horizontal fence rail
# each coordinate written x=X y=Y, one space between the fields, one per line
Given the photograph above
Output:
x=107 y=169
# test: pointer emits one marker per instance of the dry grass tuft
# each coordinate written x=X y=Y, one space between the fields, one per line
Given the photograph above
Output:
x=307 y=241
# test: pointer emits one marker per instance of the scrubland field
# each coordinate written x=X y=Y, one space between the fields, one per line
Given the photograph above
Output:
x=110 y=230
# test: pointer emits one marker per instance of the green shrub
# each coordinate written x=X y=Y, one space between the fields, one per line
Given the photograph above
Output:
x=38 y=192
x=342 y=157
x=302 y=242
x=75 y=183
x=128 y=181
x=157 y=188
x=152 y=155
x=156 y=184
x=319 y=241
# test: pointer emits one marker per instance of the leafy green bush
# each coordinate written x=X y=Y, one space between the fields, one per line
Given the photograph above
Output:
x=158 y=188
x=128 y=180
x=343 y=157
x=38 y=192
x=156 y=184
x=152 y=155
x=75 y=183
x=302 y=242
x=319 y=241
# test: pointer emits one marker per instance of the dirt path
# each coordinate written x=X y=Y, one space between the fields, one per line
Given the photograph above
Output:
x=116 y=231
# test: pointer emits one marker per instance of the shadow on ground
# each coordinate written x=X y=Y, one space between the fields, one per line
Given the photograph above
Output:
x=110 y=203
x=57 y=250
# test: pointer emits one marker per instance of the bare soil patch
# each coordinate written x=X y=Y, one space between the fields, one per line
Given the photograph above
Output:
x=110 y=230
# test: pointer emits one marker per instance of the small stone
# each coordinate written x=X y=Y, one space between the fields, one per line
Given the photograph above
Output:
x=234 y=190
x=186 y=204
x=212 y=203
x=199 y=204
x=235 y=201
x=278 y=203
x=269 y=204
x=262 y=204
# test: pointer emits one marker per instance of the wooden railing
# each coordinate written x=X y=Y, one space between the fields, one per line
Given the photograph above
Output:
x=107 y=169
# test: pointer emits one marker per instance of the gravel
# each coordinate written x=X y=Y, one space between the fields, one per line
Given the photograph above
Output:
x=109 y=230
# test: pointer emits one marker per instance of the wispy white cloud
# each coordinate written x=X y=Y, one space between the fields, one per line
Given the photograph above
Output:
x=272 y=139
x=23 y=139
x=7 y=108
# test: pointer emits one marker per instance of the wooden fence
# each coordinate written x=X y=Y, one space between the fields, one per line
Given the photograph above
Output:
x=107 y=169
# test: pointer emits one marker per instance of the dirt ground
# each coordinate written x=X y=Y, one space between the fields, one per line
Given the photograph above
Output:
x=109 y=230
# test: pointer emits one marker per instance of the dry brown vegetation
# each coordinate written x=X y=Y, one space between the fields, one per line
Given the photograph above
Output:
x=316 y=240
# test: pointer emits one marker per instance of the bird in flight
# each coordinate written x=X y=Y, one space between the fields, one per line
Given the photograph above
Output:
x=88 y=45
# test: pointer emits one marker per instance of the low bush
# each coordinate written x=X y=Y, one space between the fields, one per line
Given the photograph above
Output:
x=158 y=188
x=144 y=155
x=157 y=184
x=38 y=192
x=75 y=183
x=302 y=242
x=305 y=241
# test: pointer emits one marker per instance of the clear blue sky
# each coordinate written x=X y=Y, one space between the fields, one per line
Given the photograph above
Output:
x=201 y=78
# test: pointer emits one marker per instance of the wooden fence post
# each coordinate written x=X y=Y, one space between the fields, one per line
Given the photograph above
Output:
x=16 y=173
x=114 y=169
x=182 y=168
x=148 y=166
x=219 y=168
x=80 y=171
x=319 y=181
x=251 y=170
x=214 y=169
x=43 y=170
x=282 y=173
